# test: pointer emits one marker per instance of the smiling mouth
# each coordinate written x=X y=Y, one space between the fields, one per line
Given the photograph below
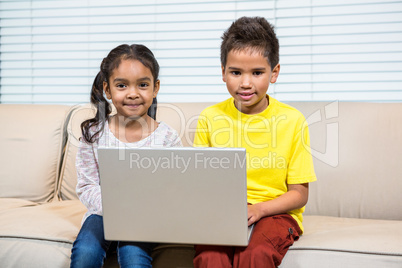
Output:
x=245 y=96
x=132 y=105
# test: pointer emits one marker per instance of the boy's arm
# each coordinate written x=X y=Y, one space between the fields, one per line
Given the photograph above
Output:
x=300 y=167
x=296 y=197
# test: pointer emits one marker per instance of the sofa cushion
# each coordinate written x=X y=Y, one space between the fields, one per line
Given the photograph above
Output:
x=9 y=203
x=34 y=253
x=354 y=242
x=163 y=256
x=173 y=256
x=33 y=222
x=41 y=235
x=31 y=146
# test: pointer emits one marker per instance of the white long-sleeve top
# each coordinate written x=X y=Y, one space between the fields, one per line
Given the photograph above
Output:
x=88 y=187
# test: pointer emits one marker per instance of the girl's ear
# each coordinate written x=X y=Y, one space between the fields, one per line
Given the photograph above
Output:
x=223 y=73
x=106 y=89
x=275 y=73
x=156 y=88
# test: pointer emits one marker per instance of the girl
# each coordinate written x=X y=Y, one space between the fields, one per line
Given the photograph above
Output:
x=129 y=78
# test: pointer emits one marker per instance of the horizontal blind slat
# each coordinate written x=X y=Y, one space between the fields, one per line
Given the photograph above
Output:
x=346 y=50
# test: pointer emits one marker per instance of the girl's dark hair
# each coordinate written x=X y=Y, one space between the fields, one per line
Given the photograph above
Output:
x=108 y=65
x=254 y=33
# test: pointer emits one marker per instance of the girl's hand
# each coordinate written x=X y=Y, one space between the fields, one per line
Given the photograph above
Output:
x=254 y=213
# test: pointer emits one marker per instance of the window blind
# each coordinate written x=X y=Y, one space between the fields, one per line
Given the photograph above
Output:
x=50 y=51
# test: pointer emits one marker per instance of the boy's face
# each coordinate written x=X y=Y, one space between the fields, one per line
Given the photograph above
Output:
x=247 y=75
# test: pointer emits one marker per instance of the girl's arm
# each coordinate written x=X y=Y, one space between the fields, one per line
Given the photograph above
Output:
x=177 y=141
x=88 y=188
x=171 y=138
x=296 y=197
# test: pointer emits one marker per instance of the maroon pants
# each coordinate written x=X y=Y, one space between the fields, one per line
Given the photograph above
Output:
x=271 y=239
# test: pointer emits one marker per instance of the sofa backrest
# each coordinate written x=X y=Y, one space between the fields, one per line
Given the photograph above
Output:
x=68 y=177
x=182 y=117
x=356 y=147
x=31 y=147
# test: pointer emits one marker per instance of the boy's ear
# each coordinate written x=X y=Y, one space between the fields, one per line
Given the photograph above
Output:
x=106 y=90
x=156 y=88
x=275 y=73
x=223 y=73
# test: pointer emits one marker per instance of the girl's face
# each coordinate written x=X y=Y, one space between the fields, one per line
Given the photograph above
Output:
x=131 y=89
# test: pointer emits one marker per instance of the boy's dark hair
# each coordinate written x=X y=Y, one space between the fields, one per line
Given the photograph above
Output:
x=254 y=33
x=108 y=65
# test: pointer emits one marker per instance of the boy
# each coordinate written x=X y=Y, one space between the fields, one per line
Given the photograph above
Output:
x=275 y=135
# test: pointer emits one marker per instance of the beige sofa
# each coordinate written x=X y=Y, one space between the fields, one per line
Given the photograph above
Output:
x=353 y=218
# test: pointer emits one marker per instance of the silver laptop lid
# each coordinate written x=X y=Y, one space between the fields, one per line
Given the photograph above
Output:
x=175 y=195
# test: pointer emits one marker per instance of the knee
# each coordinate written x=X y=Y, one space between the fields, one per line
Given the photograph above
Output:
x=84 y=255
x=135 y=254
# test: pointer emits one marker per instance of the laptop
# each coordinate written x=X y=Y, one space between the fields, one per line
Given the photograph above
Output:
x=175 y=195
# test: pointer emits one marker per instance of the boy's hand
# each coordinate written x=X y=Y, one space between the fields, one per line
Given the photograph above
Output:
x=296 y=197
x=254 y=213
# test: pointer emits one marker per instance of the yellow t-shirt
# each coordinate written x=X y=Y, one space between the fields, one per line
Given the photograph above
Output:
x=276 y=141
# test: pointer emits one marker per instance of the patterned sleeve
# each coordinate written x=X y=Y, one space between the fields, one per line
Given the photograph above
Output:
x=88 y=187
x=173 y=138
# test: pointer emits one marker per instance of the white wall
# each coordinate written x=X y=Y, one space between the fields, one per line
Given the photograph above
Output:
x=347 y=50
